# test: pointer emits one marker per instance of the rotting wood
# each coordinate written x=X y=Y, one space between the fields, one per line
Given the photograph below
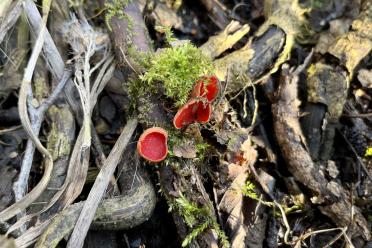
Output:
x=112 y=214
x=60 y=140
x=223 y=41
x=267 y=50
x=333 y=200
x=151 y=111
x=328 y=85
x=217 y=12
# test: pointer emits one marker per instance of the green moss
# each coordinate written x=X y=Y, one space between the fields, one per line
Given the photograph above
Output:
x=171 y=71
x=177 y=68
x=318 y=4
x=139 y=60
x=167 y=31
x=368 y=152
x=116 y=8
x=202 y=150
x=175 y=137
x=198 y=219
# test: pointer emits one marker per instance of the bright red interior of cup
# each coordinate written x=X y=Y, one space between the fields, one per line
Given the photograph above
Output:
x=153 y=145
x=193 y=111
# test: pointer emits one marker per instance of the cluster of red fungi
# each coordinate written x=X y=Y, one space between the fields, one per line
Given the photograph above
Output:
x=152 y=144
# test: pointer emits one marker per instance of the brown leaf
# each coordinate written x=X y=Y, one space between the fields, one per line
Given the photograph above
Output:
x=249 y=152
x=235 y=206
x=184 y=151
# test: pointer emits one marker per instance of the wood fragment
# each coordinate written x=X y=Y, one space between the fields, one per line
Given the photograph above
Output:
x=100 y=185
x=11 y=18
x=333 y=199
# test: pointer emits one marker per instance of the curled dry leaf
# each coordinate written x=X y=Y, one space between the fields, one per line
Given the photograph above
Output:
x=233 y=203
x=184 y=150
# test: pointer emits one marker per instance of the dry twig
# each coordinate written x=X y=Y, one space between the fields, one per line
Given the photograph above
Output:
x=22 y=107
x=96 y=193
x=10 y=19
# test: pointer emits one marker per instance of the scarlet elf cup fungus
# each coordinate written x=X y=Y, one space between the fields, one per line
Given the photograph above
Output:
x=195 y=110
x=152 y=144
x=207 y=87
x=199 y=108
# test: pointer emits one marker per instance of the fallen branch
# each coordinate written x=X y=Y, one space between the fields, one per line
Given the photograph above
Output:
x=112 y=214
x=334 y=199
x=96 y=193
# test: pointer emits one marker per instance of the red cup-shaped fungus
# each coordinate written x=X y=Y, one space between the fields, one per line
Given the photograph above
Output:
x=152 y=144
x=207 y=87
x=195 y=110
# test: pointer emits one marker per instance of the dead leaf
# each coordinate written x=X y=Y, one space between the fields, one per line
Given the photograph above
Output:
x=235 y=170
x=249 y=152
x=245 y=228
x=233 y=195
x=365 y=78
x=184 y=151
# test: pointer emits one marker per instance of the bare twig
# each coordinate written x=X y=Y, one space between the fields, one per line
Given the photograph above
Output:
x=87 y=214
x=50 y=51
x=22 y=107
x=342 y=229
x=9 y=130
x=363 y=115
x=20 y=186
x=10 y=19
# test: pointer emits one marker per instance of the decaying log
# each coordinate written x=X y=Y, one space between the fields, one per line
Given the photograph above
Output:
x=112 y=214
x=328 y=85
x=333 y=200
x=151 y=112
x=267 y=50
x=217 y=12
